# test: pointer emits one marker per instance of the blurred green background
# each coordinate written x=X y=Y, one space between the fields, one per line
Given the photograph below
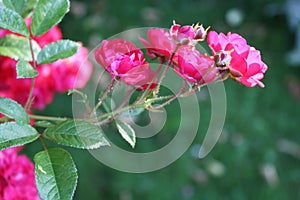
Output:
x=258 y=154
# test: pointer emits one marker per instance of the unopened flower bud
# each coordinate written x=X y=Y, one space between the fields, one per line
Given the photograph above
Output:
x=200 y=33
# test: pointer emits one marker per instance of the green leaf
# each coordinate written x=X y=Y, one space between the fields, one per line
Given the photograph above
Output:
x=13 y=110
x=45 y=124
x=16 y=134
x=47 y=14
x=25 y=70
x=17 y=47
x=79 y=134
x=126 y=132
x=55 y=174
x=12 y=21
x=16 y=5
x=57 y=50
x=30 y=4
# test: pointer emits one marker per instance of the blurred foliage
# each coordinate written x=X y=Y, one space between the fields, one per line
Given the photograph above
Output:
x=258 y=154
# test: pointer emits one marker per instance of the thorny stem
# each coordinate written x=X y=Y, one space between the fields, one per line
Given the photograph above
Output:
x=173 y=97
x=165 y=70
x=107 y=91
x=133 y=106
x=29 y=98
x=141 y=98
x=146 y=104
x=125 y=99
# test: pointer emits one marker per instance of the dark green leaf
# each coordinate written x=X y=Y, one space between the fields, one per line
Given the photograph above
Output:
x=57 y=50
x=16 y=134
x=30 y=4
x=79 y=134
x=16 y=5
x=13 y=110
x=25 y=70
x=55 y=174
x=47 y=14
x=12 y=21
x=126 y=132
x=17 y=47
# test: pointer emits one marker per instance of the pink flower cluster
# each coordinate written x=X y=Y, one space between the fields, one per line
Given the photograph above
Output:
x=16 y=176
x=231 y=57
x=59 y=76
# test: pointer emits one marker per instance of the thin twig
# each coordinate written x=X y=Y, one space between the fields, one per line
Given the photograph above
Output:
x=29 y=98
x=107 y=91
x=48 y=118
x=43 y=143
x=125 y=99
x=145 y=92
x=183 y=87
x=165 y=70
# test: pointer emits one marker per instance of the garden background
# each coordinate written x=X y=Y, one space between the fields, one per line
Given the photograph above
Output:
x=258 y=154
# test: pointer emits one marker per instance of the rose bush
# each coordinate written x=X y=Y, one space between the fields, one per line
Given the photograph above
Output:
x=30 y=78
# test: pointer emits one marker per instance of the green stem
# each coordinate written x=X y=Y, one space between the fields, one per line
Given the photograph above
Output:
x=145 y=92
x=29 y=98
x=174 y=96
x=125 y=99
x=133 y=106
x=43 y=143
x=4 y=119
x=48 y=118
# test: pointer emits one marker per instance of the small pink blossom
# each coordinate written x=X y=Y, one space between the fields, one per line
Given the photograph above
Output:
x=123 y=60
x=16 y=176
x=246 y=65
x=159 y=43
x=194 y=66
x=182 y=34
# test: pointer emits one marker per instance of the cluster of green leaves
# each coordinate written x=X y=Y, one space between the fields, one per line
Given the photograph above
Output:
x=55 y=171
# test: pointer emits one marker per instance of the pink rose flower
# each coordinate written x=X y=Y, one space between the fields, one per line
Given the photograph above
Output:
x=159 y=44
x=194 y=66
x=123 y=60
x=245 y=65
x=110 y=49
x=17 y=179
